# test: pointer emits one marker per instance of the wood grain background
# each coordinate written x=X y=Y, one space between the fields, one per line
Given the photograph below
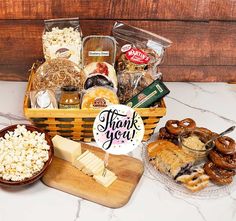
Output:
x=203 y=32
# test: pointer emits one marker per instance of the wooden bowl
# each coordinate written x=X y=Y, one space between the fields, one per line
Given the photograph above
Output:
x=37 y=175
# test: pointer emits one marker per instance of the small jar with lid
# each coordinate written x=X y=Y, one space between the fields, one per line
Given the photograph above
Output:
x=70 y=97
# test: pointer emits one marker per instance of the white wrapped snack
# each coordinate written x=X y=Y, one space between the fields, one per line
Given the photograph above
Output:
x=43 y=99
x=62 y=39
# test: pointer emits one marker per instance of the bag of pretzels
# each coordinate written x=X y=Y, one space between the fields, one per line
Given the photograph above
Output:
x=139 y=54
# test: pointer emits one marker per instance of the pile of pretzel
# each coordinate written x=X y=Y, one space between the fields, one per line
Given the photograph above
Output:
x=222 y=161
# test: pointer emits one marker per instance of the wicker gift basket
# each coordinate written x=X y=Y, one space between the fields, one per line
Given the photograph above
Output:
x=78 y=123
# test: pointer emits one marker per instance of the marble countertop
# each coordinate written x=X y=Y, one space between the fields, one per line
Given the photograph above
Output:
x=212 y=105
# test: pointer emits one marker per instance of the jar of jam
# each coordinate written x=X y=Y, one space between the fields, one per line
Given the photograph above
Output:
x=70 y=97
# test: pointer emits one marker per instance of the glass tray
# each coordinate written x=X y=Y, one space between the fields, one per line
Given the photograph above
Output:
x=211 y=191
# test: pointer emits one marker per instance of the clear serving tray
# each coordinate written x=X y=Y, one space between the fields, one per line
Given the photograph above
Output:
x=211 y=191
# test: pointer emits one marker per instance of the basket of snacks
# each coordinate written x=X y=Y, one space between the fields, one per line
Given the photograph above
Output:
x=67 y=91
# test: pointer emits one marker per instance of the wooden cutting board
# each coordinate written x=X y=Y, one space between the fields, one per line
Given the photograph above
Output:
x=63 y=176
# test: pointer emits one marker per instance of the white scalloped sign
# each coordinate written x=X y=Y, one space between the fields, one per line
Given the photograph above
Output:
x=118 y=129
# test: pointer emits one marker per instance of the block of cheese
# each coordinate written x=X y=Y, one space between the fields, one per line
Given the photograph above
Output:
x=66 y=149
x=106 y=180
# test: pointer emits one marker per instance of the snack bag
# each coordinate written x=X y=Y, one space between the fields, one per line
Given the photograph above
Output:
x=43 y=99
x=56 y=73
x=62 y=38
x=139 y=54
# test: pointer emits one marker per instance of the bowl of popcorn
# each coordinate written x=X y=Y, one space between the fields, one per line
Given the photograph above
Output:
x=193 y=142
x=25 y=154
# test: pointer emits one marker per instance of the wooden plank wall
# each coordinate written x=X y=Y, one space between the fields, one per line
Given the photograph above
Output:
x=203 y=32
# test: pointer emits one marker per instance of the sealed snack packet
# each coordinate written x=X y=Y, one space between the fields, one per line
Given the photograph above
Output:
x=43 y=99
x=56 y=73
x=62 y=38
x=139 y=54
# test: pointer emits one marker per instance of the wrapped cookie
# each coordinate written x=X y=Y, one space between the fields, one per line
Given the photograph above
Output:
x=139 y=54
x=100 y=74
x=62 y=38
x=99 y=97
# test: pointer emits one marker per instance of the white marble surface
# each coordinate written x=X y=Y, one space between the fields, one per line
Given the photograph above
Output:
x=211 y=105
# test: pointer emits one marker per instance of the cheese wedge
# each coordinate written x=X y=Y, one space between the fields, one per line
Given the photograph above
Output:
x=66 y=149
x=106 y=180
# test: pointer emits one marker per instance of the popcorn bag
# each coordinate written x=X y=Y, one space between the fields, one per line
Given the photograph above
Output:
x=62 y=38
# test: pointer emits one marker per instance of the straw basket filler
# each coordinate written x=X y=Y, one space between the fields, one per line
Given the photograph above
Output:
x=78 y=123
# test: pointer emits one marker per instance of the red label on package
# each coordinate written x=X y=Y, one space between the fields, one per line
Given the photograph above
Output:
x=137 y=56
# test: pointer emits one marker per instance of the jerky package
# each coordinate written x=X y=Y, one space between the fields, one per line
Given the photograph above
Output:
x=139 y=54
